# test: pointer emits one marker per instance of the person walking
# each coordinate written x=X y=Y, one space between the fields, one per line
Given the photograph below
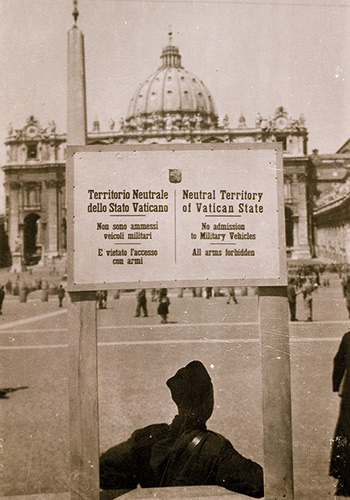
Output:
x=232 y=295
x=184 y=453
x=141 y=303
x=307 y=290
x=292 y=299
x=347 y=294
x=340 y=453
x=61 y=293
x=2 y=296
x=105 y=297
x=163 y=308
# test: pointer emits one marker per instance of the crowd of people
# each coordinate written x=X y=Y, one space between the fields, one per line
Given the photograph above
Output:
x=302 y=280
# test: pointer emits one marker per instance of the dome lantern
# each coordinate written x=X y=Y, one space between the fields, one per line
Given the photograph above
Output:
x=171 y=57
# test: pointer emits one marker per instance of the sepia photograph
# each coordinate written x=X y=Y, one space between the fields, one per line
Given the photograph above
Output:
x=174 y=249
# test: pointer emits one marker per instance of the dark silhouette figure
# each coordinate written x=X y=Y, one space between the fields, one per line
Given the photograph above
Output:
x=307 y=290
x=340 y=455
x=61 y=293
x=141 y=303
x=292 y=299
x=101 y=297
x=347 y=294
x=184 y=453
x=232 y=295
x=163 y=307
x=4 y=392
x=2 y=296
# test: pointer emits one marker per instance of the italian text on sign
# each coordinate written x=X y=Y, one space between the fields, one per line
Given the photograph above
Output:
x=179 y=216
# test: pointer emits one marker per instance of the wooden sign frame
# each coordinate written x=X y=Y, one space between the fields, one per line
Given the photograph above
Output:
x=275 y=368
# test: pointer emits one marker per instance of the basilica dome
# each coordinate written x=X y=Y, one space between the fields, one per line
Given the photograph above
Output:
x=172 y=97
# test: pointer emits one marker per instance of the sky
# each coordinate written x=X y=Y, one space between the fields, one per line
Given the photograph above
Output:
x=254 y=56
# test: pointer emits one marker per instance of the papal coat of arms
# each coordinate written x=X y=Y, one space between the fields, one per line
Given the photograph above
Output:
x=175 y=175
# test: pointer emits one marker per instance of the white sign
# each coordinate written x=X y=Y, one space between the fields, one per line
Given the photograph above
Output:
x=179 y=216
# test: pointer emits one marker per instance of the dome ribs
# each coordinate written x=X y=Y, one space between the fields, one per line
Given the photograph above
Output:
x=172 y=99
x=149 y=104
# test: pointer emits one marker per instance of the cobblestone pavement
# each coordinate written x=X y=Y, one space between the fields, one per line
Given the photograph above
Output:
x=137 y=355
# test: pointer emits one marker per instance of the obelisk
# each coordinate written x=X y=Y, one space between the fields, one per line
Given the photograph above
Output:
x=82 y=320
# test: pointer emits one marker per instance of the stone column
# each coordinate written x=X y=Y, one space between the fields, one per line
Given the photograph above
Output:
x=347 y=242
x=15 y=190
x=301 y=242
x=52 y=218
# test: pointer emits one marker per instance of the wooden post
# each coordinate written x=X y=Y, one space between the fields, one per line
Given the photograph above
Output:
x=277 y=414
x=82 y=329
x=83 y=397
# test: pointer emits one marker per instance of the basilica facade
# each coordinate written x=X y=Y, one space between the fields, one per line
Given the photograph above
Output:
x=171 y=106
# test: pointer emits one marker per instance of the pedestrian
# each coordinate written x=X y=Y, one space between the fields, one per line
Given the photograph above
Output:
x=141 y=303
x=61 y=293
x=292 y=299
x=163 y=307
x=232 y=295
x=100 y=298
x=347 y=294
x=340 y=453
x=209 y=292
x=343 y=284
x=2 y=296
x=184 y=453
x=307 y=290
x=104 y=298
x=8 y=286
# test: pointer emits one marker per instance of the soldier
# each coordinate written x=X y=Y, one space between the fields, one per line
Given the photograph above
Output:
x=183 y=453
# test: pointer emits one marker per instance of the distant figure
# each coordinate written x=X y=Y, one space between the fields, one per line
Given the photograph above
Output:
x=164 y=302
x=232 y=295
x=104 y=299
x=292 y=298
x=8 y=286
x=183 y=453
x=340 y=455
x=307 y=290
x=2 y=296
x=141 y=303
x=209 y=292
x=154 y=295
x=347 y=294
x=100 y=297
x=61 y=293
x=343 y=285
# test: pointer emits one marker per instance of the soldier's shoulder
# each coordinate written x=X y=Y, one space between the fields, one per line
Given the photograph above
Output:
x=218 y=438
x=153 y=431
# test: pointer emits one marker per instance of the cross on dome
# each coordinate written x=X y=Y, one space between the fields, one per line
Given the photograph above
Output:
x=75 y=12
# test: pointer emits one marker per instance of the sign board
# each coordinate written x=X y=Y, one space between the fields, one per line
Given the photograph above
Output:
x=175 y=216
